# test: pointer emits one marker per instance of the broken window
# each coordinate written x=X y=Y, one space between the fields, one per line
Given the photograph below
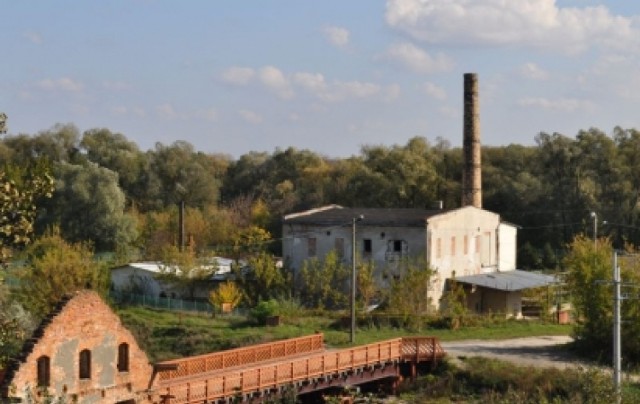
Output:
x=367 y=246
x=339 y=246
x=311 y=247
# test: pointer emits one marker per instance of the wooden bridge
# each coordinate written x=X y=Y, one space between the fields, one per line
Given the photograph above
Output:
x=262 y=371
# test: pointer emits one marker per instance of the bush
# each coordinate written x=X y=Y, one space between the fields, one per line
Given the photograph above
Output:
x=265 y=309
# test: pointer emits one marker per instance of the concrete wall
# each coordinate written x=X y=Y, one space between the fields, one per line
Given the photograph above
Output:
x=86 y=322
x=388 y=245
x=126 y=279
x=484 y=300
x=507 y=246
x=463 y=241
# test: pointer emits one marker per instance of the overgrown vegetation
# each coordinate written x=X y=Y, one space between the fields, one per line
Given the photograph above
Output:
x=485 y=380
x=167 y=335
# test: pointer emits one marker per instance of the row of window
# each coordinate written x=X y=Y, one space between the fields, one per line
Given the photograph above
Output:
x=395 y=246
x=84 y=365
x=482 y=246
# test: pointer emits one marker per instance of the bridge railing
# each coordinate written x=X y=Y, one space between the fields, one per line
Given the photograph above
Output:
x=421 y=349
x=195 y=365
x=274 y=375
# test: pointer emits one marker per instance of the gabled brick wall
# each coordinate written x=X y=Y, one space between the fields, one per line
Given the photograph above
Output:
x=84 y=322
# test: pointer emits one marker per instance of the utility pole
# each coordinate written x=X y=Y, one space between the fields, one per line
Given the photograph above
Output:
x=617 y=357
x=594 y=215
x=352 y=338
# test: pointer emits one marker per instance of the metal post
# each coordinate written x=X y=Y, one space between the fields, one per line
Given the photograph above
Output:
x=617 y=359
x=594 y=215
x=352 y=338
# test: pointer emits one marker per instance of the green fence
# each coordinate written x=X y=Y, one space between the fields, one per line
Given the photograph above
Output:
x=168 y=303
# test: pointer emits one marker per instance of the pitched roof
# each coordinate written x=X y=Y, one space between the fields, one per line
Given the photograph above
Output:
x=508 y=280
x=335 y=215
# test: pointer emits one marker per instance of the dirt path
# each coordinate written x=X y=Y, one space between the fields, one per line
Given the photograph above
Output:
x=544 y=351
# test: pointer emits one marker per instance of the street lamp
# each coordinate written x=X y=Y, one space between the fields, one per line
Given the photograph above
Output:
x=594 y=215
x=352 y=339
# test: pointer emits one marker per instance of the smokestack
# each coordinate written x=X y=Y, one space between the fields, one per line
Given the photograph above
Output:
x=471 y=172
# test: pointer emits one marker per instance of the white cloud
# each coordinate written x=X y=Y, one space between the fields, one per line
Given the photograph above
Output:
x=238 y=75
x=119 y=110
x=418 y=60
x=434 y=91
x=250 y=116
x=272 y=78
x=560 y=104
x=315 y=84
x=34 y=37
x=534 y=23
x=312 y=82
x=533 y=71
x=209 y=114
x=62 y=84
x=116 y=85
x=166 y=111
x=337 y=36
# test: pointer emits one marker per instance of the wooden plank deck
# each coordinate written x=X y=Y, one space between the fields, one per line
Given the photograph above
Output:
x=196 y=383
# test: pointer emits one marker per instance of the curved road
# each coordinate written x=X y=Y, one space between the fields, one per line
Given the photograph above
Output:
x=543 y=351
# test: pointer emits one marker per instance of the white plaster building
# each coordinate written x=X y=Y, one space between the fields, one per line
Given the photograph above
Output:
x=471 y=243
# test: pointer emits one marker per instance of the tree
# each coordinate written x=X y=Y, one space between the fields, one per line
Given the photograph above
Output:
x=226 y=296
x=54 y=268
x=184 y=270
x=324 y=283
x=261 y=279
x=409 y=294
x=88 y=205
x=589 y=283
x=20 y=190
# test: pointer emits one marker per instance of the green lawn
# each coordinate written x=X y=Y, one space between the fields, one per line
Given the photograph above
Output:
x=168 y=334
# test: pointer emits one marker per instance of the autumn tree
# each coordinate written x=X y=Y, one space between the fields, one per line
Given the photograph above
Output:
x=54 y=268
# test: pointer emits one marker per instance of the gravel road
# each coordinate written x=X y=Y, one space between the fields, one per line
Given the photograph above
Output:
x=533 y=351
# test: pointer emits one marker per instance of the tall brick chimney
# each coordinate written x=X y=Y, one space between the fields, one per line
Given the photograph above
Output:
x=471 y=172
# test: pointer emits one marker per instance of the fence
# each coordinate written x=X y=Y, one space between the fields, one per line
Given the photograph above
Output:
x=167 y=303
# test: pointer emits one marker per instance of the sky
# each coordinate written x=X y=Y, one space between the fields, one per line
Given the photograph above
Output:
x=330 y=76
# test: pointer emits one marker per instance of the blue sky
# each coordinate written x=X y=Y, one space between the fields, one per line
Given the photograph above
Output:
x=330 y=76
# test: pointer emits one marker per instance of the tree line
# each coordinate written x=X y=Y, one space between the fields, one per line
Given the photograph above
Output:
x=110 y=192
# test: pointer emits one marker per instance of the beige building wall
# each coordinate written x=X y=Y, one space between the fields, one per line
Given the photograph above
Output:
x=463 y=241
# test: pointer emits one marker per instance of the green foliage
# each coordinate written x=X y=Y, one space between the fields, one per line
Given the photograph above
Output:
x=184 y=270
x=492 y=381
x=589 y=281
x=53 y=268
x=265 y=309
x=409 y=294
x=20 y=190
x=367 y=287
x=261 y=278
x=454 y=302
x=324 y=283
x=88 y=205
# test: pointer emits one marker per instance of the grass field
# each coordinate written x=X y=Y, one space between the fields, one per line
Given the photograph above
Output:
x=168 y=334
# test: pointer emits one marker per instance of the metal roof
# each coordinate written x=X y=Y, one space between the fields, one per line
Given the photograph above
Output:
x=508 y=280
x=337 y=216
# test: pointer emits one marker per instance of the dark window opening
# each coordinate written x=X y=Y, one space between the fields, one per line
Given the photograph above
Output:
x=123 y=357
x=44 y=373
x=367 y=246
x=397 y=245
x=85 y=364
